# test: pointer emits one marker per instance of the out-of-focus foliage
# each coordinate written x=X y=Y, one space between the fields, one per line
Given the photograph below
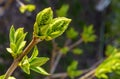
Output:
x=63 y=10
x=71 y=33
x=109 y=66
x=88 y=34
x=113 y=23
x=110 y=49
x=28 y=7
x=77 y=51
x=64 y=50
x=73 y=71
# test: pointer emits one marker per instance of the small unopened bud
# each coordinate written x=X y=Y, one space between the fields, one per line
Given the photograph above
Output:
x=44 y=17
x=57 y=27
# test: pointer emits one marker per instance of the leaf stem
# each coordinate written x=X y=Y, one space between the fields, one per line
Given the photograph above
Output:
x=16 y=61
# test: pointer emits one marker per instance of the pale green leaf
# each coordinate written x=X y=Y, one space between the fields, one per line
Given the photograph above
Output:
x=34 y=54
x=88 y=34
x=24 y=64
x=71 y=33
x=39 y=70
x=63 y=10
x=18 y=34
x=12 y=32
x=11 y=77
x=72 y=70
x=22 y=9
x=44 y=17
x=19 y=41
x=30 y=7
x=77 y=51
x=9 y=50
x=64 y=50
x=38 y=61
x=21 y=47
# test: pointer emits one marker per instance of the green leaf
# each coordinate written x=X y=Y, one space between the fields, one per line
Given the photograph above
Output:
x=71 y=33
x=17 y=42
x=12 y=32
x=64 y=50
x=110 y=50
x=34 y=54
x=24 y=64
x=39 y=70
x=29 y=7
x=22 y=9
x=44 y=17
x=77 y=51
x=13 y=47
x=57 y=27
x=38 y=61
x=43 y=20
x=109 y=65
x=11 y=77
x=18 y=34
x=63 y=10
x=72 y=70
x=21 y=39
x=9 y=50
x=88 y=34
x=21 y=46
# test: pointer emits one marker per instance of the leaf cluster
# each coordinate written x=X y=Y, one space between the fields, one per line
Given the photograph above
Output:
x=110 y=65
x=88 y=34
x=72 y=70
x=17 y=42
x=34 y=63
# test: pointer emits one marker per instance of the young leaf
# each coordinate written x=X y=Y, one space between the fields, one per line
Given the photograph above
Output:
x=24 y=64
x=64 y=50
x=110 y=50
x=18 y=34
x=63 y=10
x=12 y=32
x=72 y=70
x=21 y=46
x=39 y=70
x=17 y=42
x=38 y=61
x=29 y=7
x=71 y=33
x=57 y=27
x=44 y=17
x=11 y=77
x=43 y=20
x=77 y=51
x=34 y=54
x=88 y=34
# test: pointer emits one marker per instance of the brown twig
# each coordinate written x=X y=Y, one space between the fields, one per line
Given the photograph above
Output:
x=60 y=54
x=89 y=72
x=16 y=61
x=53 y=54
